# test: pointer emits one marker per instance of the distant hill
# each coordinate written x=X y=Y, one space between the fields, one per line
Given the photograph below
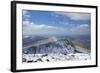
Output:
x=83 y=46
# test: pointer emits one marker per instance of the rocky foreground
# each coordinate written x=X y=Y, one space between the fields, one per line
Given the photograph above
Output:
x=29 y=58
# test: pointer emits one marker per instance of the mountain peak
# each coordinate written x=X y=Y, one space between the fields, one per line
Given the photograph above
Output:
x=52 y=38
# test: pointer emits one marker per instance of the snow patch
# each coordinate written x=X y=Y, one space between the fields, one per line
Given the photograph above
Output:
x=54 y=57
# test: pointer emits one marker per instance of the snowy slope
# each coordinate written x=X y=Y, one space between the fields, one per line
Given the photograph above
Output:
x=54 y=57
x=54 y=49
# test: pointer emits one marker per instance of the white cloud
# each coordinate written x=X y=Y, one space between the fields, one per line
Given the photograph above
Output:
x=84 y=26
x=25 y=14
x=81 y=29
x=36 y=26
x=30 y=28
x=26 y=22
x=75 y=16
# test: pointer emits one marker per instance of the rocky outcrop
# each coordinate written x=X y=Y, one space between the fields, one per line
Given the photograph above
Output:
x=51 y=45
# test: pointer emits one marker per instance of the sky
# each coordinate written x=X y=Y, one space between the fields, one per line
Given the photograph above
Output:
x=55 y=23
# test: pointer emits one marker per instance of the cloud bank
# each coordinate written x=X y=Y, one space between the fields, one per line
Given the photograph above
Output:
x=75 y=16
x=30 y=28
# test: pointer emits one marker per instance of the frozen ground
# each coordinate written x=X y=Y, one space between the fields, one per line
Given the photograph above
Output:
x=31 y=58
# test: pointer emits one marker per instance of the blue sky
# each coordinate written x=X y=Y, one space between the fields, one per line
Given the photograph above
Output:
x=55 y=23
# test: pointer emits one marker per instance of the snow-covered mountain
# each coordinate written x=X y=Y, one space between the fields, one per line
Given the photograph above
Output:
x=50 y=45
x=52 y=49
